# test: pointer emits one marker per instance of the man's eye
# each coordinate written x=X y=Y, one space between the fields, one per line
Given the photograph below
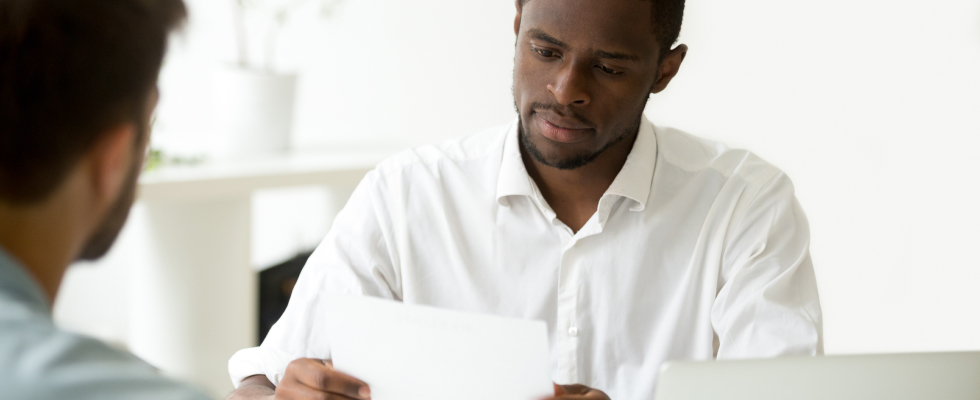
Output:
x=608 y=70
x=544 y=53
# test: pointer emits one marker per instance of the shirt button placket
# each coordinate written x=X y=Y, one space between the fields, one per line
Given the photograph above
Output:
x=568 y=314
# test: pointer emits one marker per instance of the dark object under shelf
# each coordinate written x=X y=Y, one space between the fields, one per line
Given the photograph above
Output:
x=275 y=286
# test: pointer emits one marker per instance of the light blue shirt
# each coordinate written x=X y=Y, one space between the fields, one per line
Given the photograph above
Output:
x=38 y=361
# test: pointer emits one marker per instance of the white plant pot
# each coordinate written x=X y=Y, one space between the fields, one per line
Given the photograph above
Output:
x=253 y=112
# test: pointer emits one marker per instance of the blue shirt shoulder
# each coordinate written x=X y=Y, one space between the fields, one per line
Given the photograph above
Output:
x=38 y=361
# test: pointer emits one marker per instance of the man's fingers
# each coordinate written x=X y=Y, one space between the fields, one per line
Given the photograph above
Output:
x=576 y=389
x=593 y=395
x=321 y=376
x=577 y=392
x=328 y=379
x=559 y=390
x=308 y=393
x=341 y=383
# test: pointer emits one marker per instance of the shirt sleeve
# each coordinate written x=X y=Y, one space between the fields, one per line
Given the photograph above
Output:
x=43 y=363
x=768 y=304
x=354 y=258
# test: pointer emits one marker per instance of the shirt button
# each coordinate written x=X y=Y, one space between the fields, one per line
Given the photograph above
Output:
x=573 y=331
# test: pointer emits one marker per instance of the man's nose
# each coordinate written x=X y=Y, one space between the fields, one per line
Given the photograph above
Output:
x=571 y=85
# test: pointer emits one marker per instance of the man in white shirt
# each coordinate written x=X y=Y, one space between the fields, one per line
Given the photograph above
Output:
x=77 y=89
x=637 y=244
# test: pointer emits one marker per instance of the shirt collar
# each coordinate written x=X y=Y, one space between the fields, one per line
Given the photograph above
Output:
x=632 y=182
x=513 y=179
x=636 y=177
x=16 y=282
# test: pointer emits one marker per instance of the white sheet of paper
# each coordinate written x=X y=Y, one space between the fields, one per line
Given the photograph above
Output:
x=410 y=352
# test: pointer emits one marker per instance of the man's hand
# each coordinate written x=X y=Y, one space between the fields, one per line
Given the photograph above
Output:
x=305 y=379
x=577 y=392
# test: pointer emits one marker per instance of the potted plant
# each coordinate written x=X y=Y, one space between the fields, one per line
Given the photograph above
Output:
x=254 y=99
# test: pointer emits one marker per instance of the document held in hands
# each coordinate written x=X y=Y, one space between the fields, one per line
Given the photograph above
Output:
x=410 y=352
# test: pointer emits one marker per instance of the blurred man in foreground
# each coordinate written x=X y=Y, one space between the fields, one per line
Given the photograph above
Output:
x=637 y=244
x=77 y=88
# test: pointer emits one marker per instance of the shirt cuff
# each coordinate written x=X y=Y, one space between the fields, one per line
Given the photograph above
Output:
x=258 y=361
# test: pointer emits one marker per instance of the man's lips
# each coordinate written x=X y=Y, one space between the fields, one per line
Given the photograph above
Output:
x=561 y=130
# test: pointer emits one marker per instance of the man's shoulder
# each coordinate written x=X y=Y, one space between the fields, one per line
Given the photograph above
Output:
x=474 y=149
x=16 y=312
x=694 y=154
x=40 y=361
x=29 y=338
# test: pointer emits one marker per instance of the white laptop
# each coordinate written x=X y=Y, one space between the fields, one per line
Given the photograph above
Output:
x=939 y=376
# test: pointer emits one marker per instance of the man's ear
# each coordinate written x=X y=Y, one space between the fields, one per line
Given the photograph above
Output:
x=110 y=161
x=517 y=19
x=669 y=66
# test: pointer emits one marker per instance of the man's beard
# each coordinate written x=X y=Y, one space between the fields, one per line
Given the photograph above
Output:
x=101 y=241
x=577 y=160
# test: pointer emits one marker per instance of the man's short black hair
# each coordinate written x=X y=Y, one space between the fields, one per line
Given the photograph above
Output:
x=667 y=18
x=70 y=70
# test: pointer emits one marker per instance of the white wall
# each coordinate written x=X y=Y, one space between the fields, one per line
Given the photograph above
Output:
x=871 y=106
x=378 y=72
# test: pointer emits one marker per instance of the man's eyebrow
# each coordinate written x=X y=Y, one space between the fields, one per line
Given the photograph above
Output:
x=617 y=55
x=614 y=55
x=540 y=35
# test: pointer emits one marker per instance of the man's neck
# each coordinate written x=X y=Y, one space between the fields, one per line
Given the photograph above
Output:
x=41 y=241
x=574 y=194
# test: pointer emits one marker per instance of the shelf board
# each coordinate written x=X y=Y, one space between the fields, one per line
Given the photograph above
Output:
x=240 y=177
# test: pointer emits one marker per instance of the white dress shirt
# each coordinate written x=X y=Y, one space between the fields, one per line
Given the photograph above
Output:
x=696 y=251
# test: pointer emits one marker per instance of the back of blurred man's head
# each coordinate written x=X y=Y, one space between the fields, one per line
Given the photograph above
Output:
x=71 y=71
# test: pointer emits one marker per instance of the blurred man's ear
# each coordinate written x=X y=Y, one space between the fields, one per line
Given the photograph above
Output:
x=517 y=19
x=110 y=161
x=669 y=67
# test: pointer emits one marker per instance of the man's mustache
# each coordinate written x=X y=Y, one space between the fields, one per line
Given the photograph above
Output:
x=562 y=111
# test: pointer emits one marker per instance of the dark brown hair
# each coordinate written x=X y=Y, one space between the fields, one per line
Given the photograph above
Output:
x=70 y=70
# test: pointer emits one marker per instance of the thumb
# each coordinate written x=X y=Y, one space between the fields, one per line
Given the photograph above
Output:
x=559 y=391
